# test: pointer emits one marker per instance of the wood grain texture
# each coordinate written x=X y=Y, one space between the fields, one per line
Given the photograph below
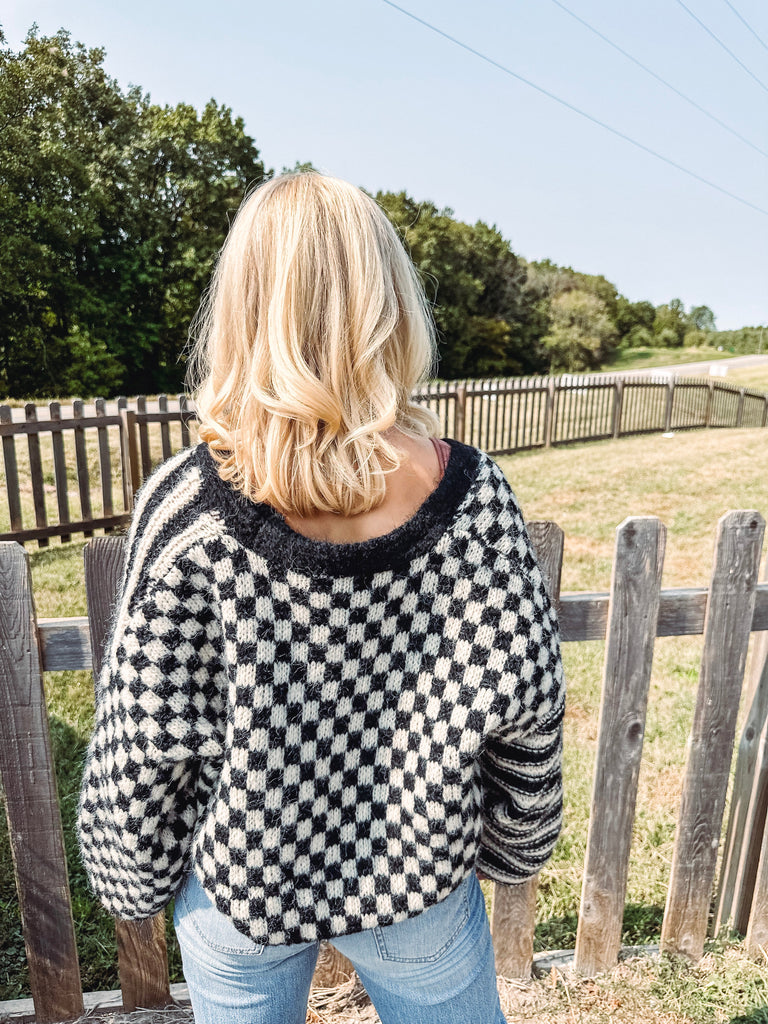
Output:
x=81 y=462
x=332 y=968
x=513 y=912
x=681 y=613
x=65 y=644
x=749 y=801
x=36 y=473
x=31 y=798
x=105 y=458
x=726 y=637
x=143 y=963
x=60 y=529
x=633 y=614
x=60 y=467
x=129 y=453
x=141 y=426
x=757 y=927
x=10 y=427
x=184 y=416
x=11 y=471
x=141 y=949
x=618 y=402
x=460 y=413
x=165 y=433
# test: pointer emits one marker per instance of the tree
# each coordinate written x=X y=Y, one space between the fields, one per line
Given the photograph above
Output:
x=484 y=316
x=670 y=324
x=581 y=334
x=701 y=318
x=111 y=213
x=634 y=321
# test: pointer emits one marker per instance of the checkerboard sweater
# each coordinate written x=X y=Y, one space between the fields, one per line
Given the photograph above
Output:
x=332 y=736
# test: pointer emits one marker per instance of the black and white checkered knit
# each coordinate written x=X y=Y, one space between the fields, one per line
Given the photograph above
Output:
x=331 y=735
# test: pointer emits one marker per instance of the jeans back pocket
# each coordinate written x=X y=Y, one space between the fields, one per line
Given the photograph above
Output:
x=198 y=920
x=428 y=935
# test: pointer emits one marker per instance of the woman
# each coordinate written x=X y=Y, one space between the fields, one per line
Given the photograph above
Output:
x=333 y=690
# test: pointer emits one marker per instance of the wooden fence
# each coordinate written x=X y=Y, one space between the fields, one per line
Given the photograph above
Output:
x=629 y=618
x=83 y=459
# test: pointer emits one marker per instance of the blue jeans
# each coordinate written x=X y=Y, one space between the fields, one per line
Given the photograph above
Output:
x=435 y=968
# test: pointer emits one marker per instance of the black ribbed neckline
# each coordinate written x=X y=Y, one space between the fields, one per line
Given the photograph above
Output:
x=262 y=528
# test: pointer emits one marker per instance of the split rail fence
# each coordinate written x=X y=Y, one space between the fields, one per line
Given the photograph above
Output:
x=89 y=457
x=629 y=618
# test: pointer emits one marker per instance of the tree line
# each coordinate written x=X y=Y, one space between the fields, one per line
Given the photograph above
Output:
x=113 y=208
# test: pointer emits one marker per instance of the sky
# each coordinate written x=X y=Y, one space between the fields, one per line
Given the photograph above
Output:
x=367 y=93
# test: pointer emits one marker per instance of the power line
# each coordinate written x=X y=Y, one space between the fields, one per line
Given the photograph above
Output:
x=745 y=22
x=658 y=78
x=719 y=42
x=576 y=110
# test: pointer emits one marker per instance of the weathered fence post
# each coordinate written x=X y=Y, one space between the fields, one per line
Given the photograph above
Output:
x=32 y=804
x=129 y=451
x=550 y=412
x=710 y=401
x=11 y=470
x=459 y=418
x=727 y=625
x=142 y=956
x=670 y=405
x=740 y=407
x=513 y=915
x=757 y=928
x=81 y=462
x=618 y=402
x=749 y=801
x=60 y=467
x=36 y=473
x=632 y=622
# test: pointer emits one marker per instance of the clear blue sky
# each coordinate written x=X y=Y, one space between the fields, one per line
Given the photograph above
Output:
x=366 y=93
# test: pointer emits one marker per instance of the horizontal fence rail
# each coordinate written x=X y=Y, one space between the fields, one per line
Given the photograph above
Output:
x=628 y=618
x=57 y=461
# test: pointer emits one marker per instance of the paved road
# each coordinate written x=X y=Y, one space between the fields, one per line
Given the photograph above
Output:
x=718 y=367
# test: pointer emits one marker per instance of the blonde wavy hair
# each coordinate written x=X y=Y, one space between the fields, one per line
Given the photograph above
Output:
x=306 y=347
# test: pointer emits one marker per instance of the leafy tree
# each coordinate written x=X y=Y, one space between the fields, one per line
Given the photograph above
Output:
x=670 y=324
x=582 y=333
x=111 y=212
x=485 y=318
x=745 y=340
x=695 y=338
x=633 y=318
x=701 y=318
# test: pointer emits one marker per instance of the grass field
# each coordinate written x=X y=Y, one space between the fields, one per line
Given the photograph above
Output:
x=688 y=480
x=749 y=377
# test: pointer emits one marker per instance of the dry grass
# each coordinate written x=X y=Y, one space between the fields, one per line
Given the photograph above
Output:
x=749 y=377
x=724 y=988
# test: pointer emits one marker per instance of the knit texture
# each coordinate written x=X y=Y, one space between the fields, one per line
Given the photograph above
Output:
x=332 y=736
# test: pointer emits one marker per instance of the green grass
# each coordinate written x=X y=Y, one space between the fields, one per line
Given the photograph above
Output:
x=688 y=480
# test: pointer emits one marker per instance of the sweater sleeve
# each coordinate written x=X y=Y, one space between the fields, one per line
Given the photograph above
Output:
x=152 y=759
x=521 y=762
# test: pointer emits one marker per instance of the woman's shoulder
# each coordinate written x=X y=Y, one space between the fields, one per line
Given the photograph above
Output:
x=170 y=510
